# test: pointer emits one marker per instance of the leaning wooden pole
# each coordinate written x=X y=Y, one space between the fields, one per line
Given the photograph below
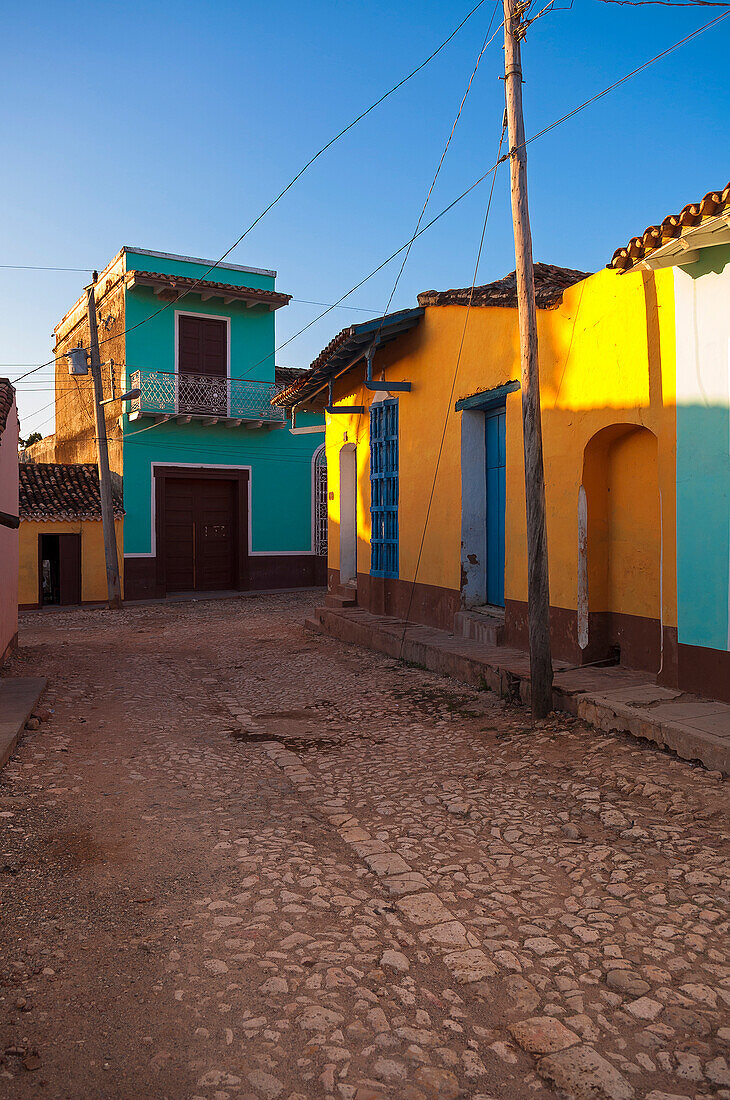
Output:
x=102 y=449
x=538 y=592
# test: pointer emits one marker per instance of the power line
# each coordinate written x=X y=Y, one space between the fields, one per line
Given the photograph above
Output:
x=450 y=398
x=440 y=164
x=528 y=141
x=294 y=179
x=534 y=137
x=36 y=267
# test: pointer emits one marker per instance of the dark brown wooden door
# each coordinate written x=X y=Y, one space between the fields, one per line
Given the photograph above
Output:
x=199 y=534
x=69 y=569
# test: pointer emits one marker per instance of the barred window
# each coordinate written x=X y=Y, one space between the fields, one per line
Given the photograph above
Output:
x=320 y=502
x=384 y=488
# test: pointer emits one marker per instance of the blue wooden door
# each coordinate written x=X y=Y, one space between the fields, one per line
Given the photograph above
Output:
x=495 y=461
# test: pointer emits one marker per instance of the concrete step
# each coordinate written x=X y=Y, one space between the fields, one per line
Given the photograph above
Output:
x=486 y=627
x=333 y=599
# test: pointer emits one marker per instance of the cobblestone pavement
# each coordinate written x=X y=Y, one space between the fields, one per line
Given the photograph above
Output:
x=243 y=861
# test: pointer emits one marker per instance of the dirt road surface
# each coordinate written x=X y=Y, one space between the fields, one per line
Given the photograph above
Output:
x=238 y=860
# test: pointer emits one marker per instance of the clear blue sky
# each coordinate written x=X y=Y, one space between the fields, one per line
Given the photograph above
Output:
x=171 y=126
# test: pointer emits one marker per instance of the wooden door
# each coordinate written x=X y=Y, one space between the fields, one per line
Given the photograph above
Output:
x=199 y=534
x=495 y=424
x=216 y=536
x=178 y=540
x=69 y=569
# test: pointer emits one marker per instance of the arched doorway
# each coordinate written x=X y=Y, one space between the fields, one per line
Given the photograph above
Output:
x=348 y=515
x=621 y=544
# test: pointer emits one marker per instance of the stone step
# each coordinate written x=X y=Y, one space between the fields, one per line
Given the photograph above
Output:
x=334 y=599
x=481 y=626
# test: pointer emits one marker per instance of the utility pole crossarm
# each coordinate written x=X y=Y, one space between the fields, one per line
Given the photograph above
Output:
x=102 y=449
x=538 y=593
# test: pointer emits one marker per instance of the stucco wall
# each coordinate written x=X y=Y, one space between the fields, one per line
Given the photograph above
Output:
x=75 y=432
x=703 y=449
x=606 y=357
x=9 y=538
x=281 y=464
x=93 y=562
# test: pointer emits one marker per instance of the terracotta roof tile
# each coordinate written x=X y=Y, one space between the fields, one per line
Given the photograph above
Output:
x=61 y=491
x=287 y=376
x=206 y=286
x=714 y=203
x=7 y=397
x=550 y=282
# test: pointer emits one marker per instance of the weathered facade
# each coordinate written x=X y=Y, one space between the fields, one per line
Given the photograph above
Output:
x=218 y=494
x=633 y=434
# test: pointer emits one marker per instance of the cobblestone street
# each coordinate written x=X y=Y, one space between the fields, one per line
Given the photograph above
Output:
x=240 y=860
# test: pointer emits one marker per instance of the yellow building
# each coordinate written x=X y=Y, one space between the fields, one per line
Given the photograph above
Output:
x=61 y=536
x=426 y=474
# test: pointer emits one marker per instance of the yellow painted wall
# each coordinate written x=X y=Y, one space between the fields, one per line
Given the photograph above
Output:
x=93 y=565
x=606 y=357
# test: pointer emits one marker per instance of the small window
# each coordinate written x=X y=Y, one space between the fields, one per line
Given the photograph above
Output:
x=384 y=488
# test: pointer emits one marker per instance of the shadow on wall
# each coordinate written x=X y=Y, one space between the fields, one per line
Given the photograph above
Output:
x=620 y=557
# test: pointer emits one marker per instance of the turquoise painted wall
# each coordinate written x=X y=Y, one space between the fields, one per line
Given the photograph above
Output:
x=281 y=464
x=702 y=294
x=281 y=477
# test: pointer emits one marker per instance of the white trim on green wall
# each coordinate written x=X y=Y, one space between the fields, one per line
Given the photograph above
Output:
x=217 y=466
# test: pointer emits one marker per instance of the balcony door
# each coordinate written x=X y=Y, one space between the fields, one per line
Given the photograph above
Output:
x=202 y=364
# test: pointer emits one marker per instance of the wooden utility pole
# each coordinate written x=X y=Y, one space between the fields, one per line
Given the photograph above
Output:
x=538 y=592
x=102 y=449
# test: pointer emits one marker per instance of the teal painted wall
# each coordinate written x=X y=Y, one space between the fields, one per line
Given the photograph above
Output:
x=281 y=464
x=702 y=294
x=281 y=477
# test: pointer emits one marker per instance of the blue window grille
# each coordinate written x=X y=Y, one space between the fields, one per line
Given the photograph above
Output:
x=384 y=488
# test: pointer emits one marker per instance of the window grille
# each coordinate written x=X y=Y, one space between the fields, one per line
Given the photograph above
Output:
x=384 y=488
x=320 y=503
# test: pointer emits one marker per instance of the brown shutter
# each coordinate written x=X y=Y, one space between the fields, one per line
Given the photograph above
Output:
x=202 y=346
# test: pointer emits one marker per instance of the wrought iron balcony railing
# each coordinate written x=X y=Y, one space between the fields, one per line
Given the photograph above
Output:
x=202 y=396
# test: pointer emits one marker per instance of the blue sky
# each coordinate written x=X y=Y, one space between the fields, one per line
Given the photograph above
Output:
x=171 y=126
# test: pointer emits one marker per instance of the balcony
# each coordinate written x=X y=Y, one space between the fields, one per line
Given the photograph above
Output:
x=204 y=397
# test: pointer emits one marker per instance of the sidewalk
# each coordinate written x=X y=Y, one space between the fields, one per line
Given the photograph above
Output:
x=18 y=696
x=612 y=698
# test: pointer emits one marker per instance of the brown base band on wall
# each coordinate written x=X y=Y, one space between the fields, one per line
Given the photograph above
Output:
x=422 y=603
x=704 y=671
x=636 y=638
x=264 y=571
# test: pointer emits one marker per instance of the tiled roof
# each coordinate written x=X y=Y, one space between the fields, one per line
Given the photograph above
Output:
x=287 y=376
x=7 y=397
x=61 y=491
x=183 y=283
x=638 y=248
x=350 y=345
x=550 y=282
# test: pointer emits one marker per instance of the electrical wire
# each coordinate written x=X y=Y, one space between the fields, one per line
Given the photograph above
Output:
x=487 y=40
x=298 y=176
x=482 y=178
x=534 y=137
x=450 y=401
